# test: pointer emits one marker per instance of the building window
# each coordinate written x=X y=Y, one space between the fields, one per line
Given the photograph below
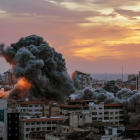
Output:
x=100 y=107
x=111 y=112
x=100 y=113
x=94 y=113
x=54 y=122
x=48 y=128
x=23 y=105
x=121 y=112
x=106 y=113
x=30 y=105
x=116 y=117
x=116 y=112
x=94 y=118
x=36 y=105
x=48 y=122
x=121 y=117
x=111 y=118
x=106 y=118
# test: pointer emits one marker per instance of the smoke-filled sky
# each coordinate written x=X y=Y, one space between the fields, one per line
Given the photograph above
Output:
x=94 y=36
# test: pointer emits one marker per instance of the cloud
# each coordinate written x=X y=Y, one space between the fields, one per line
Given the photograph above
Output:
x=128 y=13
x=115 y=4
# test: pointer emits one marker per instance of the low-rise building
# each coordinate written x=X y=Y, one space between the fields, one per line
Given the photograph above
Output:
x=30 y=107
x=28 y=125
x=108 y=112
x=82 y=80
x=9 y=124
x=51 y=110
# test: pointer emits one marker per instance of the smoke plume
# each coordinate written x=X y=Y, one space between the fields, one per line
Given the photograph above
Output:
x=33 y=59
x=99 y=94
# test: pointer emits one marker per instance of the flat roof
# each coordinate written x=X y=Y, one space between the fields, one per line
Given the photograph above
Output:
x=31 y=102
x=113 y=104
x=43 y=119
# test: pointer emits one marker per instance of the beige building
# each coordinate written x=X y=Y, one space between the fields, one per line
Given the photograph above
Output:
x=9 y=78
x=30 y=107
x=51 y=110
x=82 y=80
x=37 y=125
x=112 y=113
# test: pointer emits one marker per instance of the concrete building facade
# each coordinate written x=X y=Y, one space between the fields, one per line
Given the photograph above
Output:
x=30 y=107
x=9 y=124
x=112 y=113
x=82 y=80
x=51 y=110
x=37 y=124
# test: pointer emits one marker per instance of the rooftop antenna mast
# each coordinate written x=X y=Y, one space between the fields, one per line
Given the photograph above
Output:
x=122 y=72
x=105 y=77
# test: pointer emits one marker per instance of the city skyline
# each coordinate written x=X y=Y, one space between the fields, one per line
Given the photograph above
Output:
x=93 y=36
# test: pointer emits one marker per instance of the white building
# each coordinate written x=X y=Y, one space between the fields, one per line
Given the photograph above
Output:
x=98 y=82
x=37 y=124
x=30 y=107
x=131 y=76
x=9 y=77
x=9 y=124
x=78 y=119
x=82 y=80
x=113 y=132
x=138 y=82
x=112 y=113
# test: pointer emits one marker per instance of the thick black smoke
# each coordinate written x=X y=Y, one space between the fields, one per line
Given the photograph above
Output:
x=33 y=58
x=111 y=87
x=99 y=94
x=129 y=99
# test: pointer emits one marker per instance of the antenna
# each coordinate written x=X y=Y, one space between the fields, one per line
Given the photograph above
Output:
x=122 y=72
x=105 y=77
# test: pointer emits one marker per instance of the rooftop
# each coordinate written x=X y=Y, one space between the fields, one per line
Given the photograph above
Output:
x=31 y=102
x=113 y=104
x=43 y=119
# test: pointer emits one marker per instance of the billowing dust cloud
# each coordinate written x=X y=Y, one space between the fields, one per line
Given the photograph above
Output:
x=33 y=59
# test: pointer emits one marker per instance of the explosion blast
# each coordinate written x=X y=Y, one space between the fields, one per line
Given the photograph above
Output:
x=33 y=59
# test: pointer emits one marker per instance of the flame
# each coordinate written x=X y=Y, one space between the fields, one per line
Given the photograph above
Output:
x=4 y=94
x=20 y=88
x=23 y=84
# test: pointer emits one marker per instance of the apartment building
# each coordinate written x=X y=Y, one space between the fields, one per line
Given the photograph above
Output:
x=9 y=124
x=30 y=107
x=112 y=113
x=51 y=110
x=82 y=80
x=73 y=106
x=28 y=125
x=9 y=77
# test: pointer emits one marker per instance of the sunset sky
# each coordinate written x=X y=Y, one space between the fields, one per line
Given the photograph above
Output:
x=94 y=36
